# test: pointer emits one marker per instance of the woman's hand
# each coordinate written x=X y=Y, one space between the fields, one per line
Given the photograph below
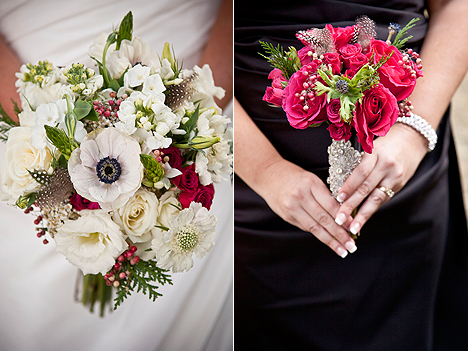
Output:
x=303 y=200
x=392 y=163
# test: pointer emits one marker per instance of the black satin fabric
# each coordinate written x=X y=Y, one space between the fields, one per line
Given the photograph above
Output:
x=406 y=287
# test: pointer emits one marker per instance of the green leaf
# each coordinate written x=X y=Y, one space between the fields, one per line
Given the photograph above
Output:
x=125 y=29
x=82 y=109
x=27 y=201
x=192 y=121
x=162 y=228
x=114 y=85
x=399 y=41
x=70 y=123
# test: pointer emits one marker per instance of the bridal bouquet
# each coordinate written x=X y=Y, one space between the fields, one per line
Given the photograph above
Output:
x=117 y=162
x=348 y=79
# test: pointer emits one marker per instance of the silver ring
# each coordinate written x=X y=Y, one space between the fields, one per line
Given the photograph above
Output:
x=389 y=192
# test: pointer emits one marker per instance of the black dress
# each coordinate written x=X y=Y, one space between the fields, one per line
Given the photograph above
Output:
x=406 y=287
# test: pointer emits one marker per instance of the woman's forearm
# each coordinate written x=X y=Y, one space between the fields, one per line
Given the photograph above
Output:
x=9 y=65
x=445 y=59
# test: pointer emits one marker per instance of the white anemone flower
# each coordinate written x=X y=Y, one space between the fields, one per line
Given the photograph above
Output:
x=191 y=231
x=92 y=242
x=106 y=168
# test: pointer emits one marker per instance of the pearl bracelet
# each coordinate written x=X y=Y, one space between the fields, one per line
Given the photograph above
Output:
x=421 y=125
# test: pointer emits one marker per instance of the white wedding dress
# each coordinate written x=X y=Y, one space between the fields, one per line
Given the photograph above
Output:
x=37 y=284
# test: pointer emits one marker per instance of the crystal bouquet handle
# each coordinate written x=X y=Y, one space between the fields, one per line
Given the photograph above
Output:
x=343 y=158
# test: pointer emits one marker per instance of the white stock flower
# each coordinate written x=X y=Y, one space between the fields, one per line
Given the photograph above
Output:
x=136 y=75
x=205 y=90
x=27 y=118
x=216 y=161
x=191 y=231
x=92 y=242
x=138 y=216
x=106 y=168
x=20 y=156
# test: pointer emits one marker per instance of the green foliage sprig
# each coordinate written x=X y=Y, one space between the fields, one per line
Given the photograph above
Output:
x=286 y=61
x=142 y=275
x=6 y=122
x=399 y=41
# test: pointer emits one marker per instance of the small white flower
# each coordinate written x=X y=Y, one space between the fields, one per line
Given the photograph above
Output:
x=138 y=216
x=20 y=156
x=205 y=90
x=106 y=168
x=191 y=231
x=154 y=86
x=136 y=75
x=27 y=118
x=92 y=242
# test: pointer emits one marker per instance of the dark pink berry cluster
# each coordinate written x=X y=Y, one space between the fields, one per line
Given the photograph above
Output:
x=117 y=273
x=40 y=230
x=107 y=108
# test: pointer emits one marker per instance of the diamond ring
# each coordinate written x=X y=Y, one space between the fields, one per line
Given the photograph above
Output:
x=389 y=192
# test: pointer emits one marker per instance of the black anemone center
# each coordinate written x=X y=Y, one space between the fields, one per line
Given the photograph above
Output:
x=108 y=170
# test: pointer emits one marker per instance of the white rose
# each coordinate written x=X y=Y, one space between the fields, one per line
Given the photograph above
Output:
x=92 y=242
x=138 y=216
x=20 y=156
x=33 y=95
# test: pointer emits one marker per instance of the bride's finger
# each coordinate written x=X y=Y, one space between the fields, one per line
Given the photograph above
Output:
x=359 y=175
x=377 y=198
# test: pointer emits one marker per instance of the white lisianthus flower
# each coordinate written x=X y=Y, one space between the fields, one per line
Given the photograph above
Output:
x=130 y=53
x=138 y=216
x=92 y=242
x=191 y=231
x=52 y=114
x=106 y=168
x=20 y=156
x=38 y=84
x=216 y=161
x=205 y=90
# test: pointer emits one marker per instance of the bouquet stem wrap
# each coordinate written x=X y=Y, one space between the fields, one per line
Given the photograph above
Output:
x=343 y=159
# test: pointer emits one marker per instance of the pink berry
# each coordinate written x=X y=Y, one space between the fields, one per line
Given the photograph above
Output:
x=122 y=275
x=134 y=260
x=133 y=248
x=117 y=265
x=45 y=241
x=111 y=102
x=112 y=94
x=121 y=258
x=116 y=284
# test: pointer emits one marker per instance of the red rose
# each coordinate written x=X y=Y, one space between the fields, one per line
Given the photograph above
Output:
x=203 y=195
x=341 y=36
x=188 y=180
x=340 y=131
x=300 y=116
x=333 y=59
x=375 y=115
x=348 y=51
x=174 y=156
x=80 y=203
x=391 y=74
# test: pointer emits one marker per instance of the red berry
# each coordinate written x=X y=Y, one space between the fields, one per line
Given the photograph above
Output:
x=133 y=248
x=45 y=241
x=108 y=283
x=117 y=265
x=121 y=258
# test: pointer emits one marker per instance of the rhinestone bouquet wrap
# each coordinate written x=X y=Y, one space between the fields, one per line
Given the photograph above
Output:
x=117 y=161
x=346 y=79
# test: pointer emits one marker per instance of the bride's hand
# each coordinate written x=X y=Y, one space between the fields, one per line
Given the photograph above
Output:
x=392 y=163
x=302 y=199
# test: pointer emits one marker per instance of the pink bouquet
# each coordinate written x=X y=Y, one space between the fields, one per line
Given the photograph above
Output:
x=346 y=78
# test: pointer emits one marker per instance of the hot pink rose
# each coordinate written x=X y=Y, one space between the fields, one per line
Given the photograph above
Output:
x=357 y=61
x=80 y=203
x=333 y=59
x=303 y=55
x=348 y=51
x=274 y=94
x=188 y=180
x=374 y=116
x=298 y=116
x=333 y=111
x=391 y=74
x=340 y=131
x=341 y=36
x=203 y=195
x=174 y=156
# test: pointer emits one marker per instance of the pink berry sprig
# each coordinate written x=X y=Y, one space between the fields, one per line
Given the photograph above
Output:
x=119 y=273
x=41 y=230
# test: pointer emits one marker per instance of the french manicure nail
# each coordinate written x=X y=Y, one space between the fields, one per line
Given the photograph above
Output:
x=355 y=228
x=341 y=252
x=341 y=197
x=340 y=218
x=350 y=246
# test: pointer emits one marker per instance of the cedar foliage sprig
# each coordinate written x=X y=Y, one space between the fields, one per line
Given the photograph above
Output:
x=399 y=41
x=142 y=274
x=6 y=123
x=287 y=62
